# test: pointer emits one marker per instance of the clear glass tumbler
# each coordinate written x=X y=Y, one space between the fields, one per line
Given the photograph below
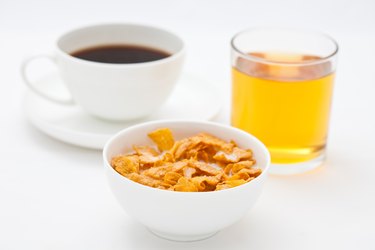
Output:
x=282 y=84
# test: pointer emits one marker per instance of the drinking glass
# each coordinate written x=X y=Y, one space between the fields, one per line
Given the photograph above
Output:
x=282 y=84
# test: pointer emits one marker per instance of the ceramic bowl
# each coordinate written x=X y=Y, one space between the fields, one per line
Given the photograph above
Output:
x=184 y=216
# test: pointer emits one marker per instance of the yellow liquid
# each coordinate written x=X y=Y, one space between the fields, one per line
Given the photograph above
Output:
x=290 y=116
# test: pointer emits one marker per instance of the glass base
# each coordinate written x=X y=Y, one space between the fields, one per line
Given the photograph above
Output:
x=296 y=168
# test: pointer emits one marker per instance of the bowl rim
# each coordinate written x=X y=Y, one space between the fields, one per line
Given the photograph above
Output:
x=204 y=123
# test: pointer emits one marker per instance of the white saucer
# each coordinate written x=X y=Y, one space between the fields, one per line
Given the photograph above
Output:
x=192 y=99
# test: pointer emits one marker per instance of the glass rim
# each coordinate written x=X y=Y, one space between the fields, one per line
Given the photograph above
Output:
x=302 y=63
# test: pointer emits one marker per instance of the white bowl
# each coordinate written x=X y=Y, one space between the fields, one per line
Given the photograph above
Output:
x=184 y=216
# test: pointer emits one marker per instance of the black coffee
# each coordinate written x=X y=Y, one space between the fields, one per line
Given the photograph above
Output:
x=120 y=54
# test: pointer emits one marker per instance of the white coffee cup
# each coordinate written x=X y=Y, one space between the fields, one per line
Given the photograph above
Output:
x=115 y=91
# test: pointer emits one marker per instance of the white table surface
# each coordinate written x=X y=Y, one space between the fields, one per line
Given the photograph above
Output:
x=55 y=196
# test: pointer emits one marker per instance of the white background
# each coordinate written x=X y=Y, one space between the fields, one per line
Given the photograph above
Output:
x=54 y=196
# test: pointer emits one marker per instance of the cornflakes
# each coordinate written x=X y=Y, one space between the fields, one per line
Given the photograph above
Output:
x=199 y=163
x=163 y=138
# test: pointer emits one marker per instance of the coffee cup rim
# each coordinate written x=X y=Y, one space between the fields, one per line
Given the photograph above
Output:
x=172 y=57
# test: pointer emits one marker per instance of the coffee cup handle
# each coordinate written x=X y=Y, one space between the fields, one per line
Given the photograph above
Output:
x=34 y=88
